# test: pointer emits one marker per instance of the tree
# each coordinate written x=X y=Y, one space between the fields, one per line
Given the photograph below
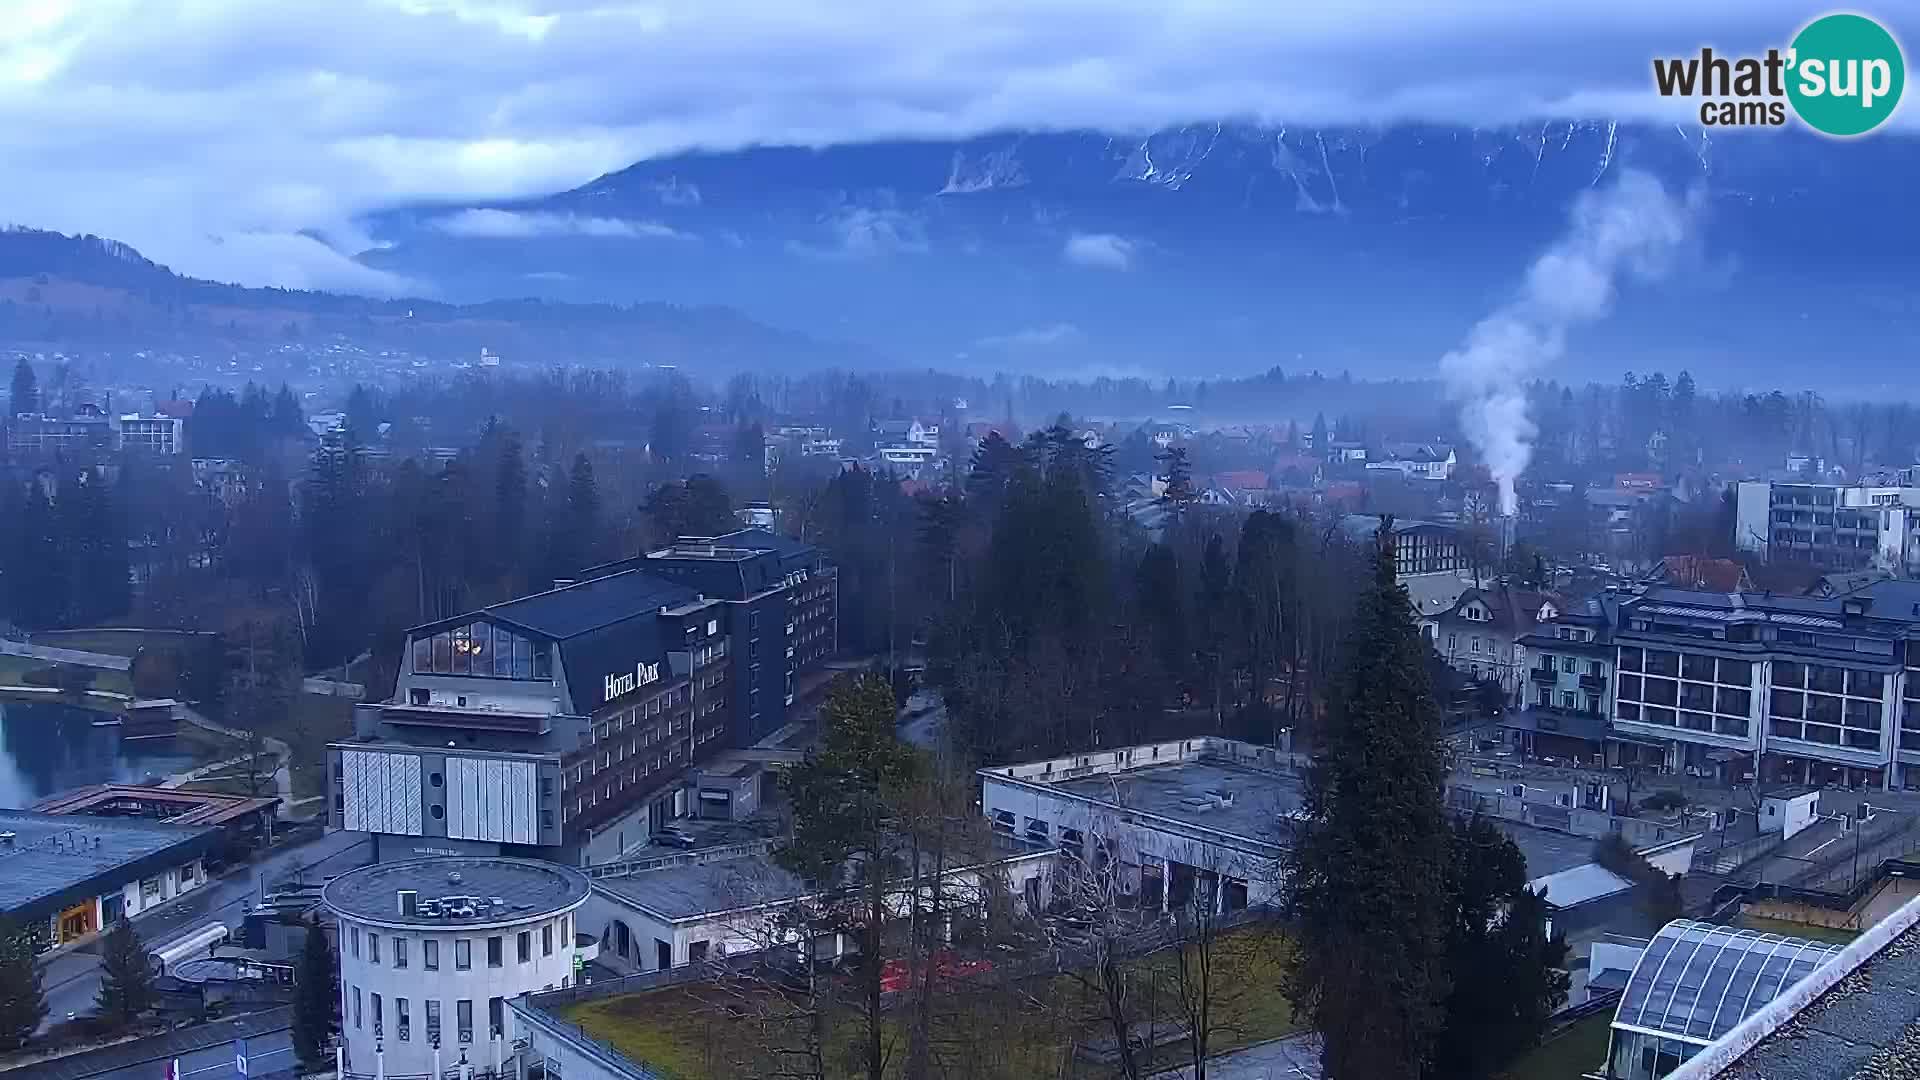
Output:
x=1178 y=474
x=22 y=1004
x=26 y=389
x=126 y=983
x=1368 y=890
x=510 y=506
x=1506 y=971
x=846 y=837
x=1216 y=618
x=316 y=1000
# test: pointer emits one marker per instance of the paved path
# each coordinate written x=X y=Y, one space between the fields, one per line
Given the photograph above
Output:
x=282 y=776
x=66 y=656
x=1296 y=1057
x=71 y=976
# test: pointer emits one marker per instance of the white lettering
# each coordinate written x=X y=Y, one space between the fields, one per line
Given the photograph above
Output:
x=643 y=675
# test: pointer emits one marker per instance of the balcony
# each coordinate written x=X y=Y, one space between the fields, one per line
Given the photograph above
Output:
x=1593 y=684
x=1545 y=676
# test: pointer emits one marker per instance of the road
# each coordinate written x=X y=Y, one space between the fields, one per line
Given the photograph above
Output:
x=71 y=978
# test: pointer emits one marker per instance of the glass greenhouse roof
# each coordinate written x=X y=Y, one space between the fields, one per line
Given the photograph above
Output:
x=1697 y=980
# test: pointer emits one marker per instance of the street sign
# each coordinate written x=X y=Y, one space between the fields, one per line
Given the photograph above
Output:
x=240 y=1056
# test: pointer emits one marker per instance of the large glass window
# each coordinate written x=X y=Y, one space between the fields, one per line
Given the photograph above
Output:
x=1788 y=673
x=1696 y=667
x=483 y=649
x=1662 y=663
x=1736 y=672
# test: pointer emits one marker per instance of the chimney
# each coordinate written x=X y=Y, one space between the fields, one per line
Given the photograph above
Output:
x=409 y=902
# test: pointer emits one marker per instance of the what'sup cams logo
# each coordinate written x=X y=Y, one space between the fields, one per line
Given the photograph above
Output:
x=1842 y=76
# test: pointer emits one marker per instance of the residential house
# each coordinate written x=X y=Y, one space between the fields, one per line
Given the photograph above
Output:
x=1481 y=635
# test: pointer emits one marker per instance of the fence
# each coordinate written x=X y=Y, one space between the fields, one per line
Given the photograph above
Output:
x=684 y=858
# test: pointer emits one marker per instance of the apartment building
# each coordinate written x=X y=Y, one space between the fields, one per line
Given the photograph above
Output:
x=1830 y=526
x=1801 y=689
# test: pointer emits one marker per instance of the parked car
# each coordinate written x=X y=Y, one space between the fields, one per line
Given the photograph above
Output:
x=675 y=838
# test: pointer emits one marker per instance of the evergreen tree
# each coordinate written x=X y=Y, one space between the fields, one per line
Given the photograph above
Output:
x=126 y=982
x=510 y=505
x=1506 y=977
x=22 y=1004
x=287 y=417
x=41 y=577
x=1216 y=615
x=316 y=998
x=1368 y=889
x=1178 y=474
x=1319 y=434
x=26 y=389
x=1157 y=583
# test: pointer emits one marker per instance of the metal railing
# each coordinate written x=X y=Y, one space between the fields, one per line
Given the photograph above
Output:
x=627 y=867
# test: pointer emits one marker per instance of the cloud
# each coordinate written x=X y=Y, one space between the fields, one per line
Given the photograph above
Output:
x=173 y=125
x=865 y=232
x=1035 y=337
x=518 y=225
x=1102 y=251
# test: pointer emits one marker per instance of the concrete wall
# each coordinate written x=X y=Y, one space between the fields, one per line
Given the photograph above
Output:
x=1134 y=843
x=172 y=882
x=362 y=977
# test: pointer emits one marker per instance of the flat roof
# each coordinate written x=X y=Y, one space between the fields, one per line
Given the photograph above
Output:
x=56 y=861
x=1866 y=1026
x=691 y=890
x=1578 y=885
x=1182 y=791
x=185 y=807
x=1547 y=852
x=529 y=890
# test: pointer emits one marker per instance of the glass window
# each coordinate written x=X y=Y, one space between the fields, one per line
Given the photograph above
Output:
x=523 y=946
x=1788 y=673
x=1626 y=710
x=1785 y=729
x=1696 y=696
x=462 y=651
x=1863 y=714
x=1697 y=667
x=502 y=653
x=1865 y=683
x=356 y=1007
x=494 y=951
x=378 y=1029
x=430 y=954
x=1652 y=715
x=1630 y=687
x=462 y=954
x=399 y=952
x=1822 y=709
x=443 y=652
x=1736 y=672
x=1630 y=659
x=463 y=1016
x=1662 y=663
x=496 y=1015
x=373 y=948
x=1660 y=691
x=481 y=648
x=353 y=936
x=423 y=654
x=433 y=1020
x=546 y=940
x=402 y=1020
x=1827 y=680
x=542 y=660
x=522 y=658
x=1788 y=703
x=1733 y=701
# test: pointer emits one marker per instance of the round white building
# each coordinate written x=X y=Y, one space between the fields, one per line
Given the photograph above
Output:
x=431 y=950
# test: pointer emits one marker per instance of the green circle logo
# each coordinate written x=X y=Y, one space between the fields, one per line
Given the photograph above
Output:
x=1845 y=74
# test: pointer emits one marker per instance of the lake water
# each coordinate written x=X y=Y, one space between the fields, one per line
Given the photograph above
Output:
x=46 y=748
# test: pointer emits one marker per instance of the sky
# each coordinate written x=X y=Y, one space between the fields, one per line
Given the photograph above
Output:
x=249 y=140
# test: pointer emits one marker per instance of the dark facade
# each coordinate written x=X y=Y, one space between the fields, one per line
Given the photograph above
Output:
x=782 y=601
x=560 y=724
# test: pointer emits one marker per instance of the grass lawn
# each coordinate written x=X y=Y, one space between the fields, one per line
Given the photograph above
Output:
x=1572 y=1054
x=1794 y=929
x=1029 y=1028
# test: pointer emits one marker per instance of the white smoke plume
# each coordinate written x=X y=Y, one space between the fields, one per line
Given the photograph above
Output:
x=1633 y=227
